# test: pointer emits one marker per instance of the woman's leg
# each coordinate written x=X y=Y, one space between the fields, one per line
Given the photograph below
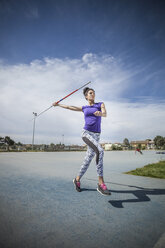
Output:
x=87 y=160
x=92 y=140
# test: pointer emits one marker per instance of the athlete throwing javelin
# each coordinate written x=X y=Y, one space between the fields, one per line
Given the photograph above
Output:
x=91 y=136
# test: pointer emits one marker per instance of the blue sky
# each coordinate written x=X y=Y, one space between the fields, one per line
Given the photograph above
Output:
x=120 y=45
x=37 y=29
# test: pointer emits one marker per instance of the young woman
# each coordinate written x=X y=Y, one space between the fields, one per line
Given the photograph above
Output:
x=91 y=136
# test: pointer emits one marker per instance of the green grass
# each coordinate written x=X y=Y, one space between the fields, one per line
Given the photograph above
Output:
x=156 y=170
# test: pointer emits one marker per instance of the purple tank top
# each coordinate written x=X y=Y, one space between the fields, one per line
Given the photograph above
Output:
x=92 y=122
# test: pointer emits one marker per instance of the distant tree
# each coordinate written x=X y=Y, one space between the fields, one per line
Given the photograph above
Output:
x=126 y=142
x=19 y=144
x=52 y=146
x=113 y=147
x=1 y=140
x=159 y=141
x=9 y=142
x=164 y=144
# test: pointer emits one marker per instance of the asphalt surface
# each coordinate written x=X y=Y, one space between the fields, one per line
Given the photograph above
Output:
x=40 y=208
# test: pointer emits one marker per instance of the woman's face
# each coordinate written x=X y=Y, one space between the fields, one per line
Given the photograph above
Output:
x=90 y=95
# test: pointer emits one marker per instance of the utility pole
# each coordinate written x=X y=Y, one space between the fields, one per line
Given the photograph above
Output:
x=35 y=115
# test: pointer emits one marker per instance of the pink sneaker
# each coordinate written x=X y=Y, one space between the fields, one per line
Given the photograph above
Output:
x=77 y=185
x=102 y=189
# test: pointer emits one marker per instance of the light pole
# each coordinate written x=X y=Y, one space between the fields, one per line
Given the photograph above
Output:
x=63 y=139
x=35 y=114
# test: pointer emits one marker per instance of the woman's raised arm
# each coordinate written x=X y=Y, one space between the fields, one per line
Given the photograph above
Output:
x=74 y=108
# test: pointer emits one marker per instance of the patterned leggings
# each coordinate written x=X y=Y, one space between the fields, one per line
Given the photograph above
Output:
x=92 y=140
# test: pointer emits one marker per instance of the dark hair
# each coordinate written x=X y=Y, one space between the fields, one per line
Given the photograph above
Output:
x=86 y=89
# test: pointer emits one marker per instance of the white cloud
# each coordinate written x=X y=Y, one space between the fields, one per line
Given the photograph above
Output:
x=135 y=121
x=34 y=87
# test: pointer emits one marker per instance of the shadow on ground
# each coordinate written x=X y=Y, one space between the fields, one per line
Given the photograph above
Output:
x=140 y=193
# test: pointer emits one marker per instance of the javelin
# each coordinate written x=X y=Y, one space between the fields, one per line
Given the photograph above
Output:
x=63 y=98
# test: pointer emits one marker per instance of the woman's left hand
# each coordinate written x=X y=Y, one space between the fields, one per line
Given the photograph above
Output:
x=97 y=113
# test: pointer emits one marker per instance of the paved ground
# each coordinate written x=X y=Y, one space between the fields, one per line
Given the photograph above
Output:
x=40 y=208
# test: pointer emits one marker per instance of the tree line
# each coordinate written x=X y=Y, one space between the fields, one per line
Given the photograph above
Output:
x=159 y=142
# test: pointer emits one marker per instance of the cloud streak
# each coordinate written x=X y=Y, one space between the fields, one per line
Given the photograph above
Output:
x=33 y=87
